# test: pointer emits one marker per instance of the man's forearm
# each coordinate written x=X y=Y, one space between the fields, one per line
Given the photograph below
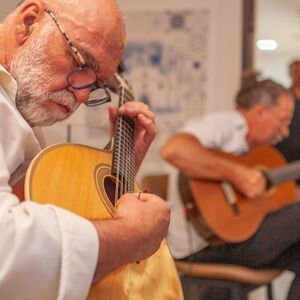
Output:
x=187 y=154
x=113 y=251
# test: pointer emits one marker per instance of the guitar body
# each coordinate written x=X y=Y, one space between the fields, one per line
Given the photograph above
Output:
x=219 y=215
x=78 y=179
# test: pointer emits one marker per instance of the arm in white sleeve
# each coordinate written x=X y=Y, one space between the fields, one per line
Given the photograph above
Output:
x=45 y=252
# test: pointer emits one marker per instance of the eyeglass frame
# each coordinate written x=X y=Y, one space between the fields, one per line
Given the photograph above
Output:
x=83 y=65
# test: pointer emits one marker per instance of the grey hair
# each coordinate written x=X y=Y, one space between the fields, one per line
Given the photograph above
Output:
x=20 y=3
x=293 y=63
x=259 y=92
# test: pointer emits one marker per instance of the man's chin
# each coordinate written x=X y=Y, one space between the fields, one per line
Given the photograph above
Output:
x=41 y=123
x=45 y=122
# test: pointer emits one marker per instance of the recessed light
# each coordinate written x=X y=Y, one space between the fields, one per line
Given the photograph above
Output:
x=266 y=45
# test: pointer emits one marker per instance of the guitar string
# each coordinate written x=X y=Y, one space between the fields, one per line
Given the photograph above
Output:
x=127 y=142
x=132 y=150
x=124 y=139
x=117 y=149
x=124 y=147
x=116 y=162
x=125 y=164
x=129 y=137
x=286 y=173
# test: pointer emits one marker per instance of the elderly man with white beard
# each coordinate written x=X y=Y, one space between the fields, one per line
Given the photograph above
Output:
x=47 y=252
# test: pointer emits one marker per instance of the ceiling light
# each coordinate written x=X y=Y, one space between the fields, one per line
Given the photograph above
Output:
x=266 y=45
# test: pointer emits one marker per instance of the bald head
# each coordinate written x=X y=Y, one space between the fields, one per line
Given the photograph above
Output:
x=101 y=22
x=96 y=24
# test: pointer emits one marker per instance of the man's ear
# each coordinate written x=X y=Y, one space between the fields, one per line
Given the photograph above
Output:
x=28 y=15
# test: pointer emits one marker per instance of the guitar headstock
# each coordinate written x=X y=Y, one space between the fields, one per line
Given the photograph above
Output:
x=119 y=85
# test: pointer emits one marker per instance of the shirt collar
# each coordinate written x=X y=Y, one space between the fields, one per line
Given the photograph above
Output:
x=8 y=83
x=242 y=126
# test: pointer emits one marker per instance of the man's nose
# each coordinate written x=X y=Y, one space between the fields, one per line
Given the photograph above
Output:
x=81 y=95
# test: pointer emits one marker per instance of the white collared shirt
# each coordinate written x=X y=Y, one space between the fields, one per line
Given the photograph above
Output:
x=46 y=252
x=225 y=131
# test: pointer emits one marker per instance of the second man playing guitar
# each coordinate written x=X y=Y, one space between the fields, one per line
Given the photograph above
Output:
x=263 y=114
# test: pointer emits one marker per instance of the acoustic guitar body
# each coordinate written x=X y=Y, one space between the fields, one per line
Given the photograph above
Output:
x=78 y=179
x=219 y=214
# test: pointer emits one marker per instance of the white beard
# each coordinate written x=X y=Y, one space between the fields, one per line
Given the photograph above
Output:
x=35 y=102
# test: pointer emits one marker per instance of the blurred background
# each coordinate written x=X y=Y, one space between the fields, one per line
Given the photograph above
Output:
x=185 y=58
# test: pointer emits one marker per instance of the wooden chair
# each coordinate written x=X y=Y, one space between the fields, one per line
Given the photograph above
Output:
x=238 y=279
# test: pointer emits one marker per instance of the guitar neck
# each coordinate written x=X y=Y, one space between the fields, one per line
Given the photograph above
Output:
x=283 y=174
x=123 y=164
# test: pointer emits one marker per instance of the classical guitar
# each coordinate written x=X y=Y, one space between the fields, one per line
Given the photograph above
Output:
x=88 y=181
x=216 y=208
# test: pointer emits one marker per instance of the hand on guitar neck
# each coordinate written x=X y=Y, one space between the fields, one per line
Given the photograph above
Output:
x=145 y=130
x=144 y=119
x=249 y=181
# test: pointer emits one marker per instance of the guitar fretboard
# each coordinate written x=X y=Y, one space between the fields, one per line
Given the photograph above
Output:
x=123 y=166
x=284 y=174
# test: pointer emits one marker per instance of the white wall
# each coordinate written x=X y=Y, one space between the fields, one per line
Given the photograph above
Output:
x=226 y=44
x=281 y=23
x=6 y=7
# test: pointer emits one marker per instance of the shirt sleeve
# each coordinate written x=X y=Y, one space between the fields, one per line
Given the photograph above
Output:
x=211 y=130
x=45 y=252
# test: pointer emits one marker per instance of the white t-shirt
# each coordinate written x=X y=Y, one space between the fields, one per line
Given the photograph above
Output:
x=225 y=131
x=46 y=252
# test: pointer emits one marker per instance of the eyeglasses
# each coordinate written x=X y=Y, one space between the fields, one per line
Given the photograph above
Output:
x=84 y=77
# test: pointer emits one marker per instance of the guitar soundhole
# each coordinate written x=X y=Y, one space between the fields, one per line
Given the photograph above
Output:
x=110 y=189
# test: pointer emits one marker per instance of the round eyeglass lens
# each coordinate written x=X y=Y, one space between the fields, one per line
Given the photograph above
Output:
x=98 y=94
x=82 y=78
